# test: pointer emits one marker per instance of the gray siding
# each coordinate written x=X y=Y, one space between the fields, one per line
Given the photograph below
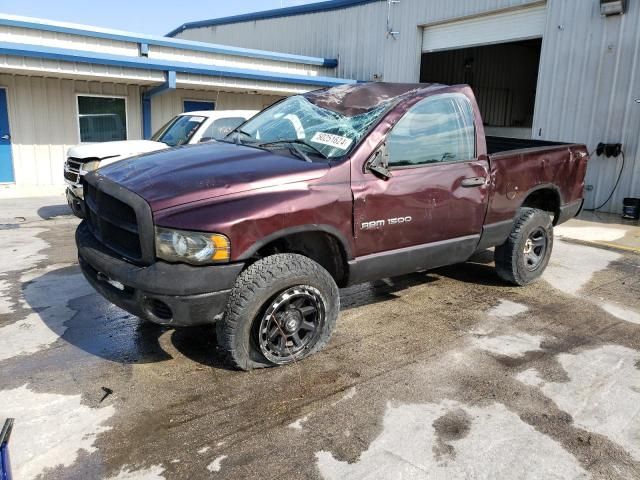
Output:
x=355 y=35
x=588 y=82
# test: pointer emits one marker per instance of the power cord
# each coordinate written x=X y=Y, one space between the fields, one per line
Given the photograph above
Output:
x=612 y=190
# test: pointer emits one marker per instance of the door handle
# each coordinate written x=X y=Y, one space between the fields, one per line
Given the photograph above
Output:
x=473 y=182
x=5 y=137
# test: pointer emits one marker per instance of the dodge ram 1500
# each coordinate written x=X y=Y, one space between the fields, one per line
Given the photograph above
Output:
x=319 y=191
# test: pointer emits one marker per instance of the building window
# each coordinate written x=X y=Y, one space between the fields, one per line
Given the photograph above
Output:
x=197 y=105
x=102 y=119
x=435 y=130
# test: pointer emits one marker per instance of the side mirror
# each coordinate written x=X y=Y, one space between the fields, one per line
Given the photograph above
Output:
x=378 y=164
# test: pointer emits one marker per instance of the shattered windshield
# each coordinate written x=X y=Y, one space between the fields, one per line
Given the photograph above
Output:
x=321 y=132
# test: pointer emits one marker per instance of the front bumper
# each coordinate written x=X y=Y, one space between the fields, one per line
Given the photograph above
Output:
x=164 y=293
x=75 y=201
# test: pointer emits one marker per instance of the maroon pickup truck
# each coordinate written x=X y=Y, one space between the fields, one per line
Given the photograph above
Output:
x=319 y=191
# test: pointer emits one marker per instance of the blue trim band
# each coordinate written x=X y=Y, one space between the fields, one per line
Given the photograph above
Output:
x=95 y=32
x=32 y=51
x=169 y=84
x=275 y=13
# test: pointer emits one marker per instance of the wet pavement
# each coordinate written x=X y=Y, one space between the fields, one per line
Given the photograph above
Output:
x=443 y=374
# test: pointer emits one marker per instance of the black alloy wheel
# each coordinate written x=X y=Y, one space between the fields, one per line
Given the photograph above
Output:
x=291 y=324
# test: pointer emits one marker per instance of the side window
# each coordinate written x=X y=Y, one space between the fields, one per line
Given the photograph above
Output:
x=435 y=130
x=220 y=128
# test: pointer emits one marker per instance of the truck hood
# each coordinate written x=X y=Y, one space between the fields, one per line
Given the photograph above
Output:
x=200 y=172
x=117 y=150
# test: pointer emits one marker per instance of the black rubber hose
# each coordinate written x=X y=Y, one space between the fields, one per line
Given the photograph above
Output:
x=612 y=190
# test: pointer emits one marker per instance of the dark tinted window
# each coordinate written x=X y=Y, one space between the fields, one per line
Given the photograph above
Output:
x=437 y=129
x=102 y=119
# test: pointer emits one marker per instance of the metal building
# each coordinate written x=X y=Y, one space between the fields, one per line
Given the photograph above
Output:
x=51 y=72
x=564 y=70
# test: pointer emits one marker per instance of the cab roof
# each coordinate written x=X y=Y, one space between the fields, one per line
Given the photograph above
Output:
x=360 y=98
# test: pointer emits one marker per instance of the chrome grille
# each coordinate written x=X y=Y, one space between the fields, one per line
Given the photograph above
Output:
x=72 y=169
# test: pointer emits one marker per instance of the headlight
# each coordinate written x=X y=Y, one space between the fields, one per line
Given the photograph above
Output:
x=196 y=248
x=89 y=167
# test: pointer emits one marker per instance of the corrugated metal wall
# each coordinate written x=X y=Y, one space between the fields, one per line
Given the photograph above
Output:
x=356 y=35
x=589 y=74
x=589 y=81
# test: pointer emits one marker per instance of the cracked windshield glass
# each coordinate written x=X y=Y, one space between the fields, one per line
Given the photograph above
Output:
x=297 y=124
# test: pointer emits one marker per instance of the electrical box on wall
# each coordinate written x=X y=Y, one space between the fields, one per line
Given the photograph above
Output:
x=612 y=7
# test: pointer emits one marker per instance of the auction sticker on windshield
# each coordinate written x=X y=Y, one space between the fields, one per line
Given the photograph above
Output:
x=332 y=140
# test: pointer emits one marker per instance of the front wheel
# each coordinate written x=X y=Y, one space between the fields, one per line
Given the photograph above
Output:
x=282 y=309
x=524 y=256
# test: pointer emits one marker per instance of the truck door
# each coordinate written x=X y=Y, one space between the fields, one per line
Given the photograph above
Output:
x=437 y=193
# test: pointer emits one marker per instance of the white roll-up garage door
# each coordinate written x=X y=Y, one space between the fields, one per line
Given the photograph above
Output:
x=511 y=26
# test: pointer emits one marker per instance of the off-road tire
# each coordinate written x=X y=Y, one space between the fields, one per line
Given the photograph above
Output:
x=510 y=257
x=255 y=289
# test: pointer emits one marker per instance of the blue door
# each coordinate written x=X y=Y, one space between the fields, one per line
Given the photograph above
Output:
x=195 y=105
x=6 y=164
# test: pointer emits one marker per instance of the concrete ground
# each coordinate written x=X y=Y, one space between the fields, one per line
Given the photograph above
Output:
x=444 y=374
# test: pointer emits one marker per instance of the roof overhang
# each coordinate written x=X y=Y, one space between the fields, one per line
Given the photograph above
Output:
x=145 y=63
x=117 y=35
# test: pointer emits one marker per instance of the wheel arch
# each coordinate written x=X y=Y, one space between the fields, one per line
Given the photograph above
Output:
x=545 y=197
x=324 y=244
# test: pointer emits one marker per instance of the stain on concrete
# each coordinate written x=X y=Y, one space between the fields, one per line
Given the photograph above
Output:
x=602 y=394
x=452 y=426
x=490 y=445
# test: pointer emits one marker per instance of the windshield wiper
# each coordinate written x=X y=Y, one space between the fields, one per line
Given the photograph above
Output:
x=299 y=142
x=236 y=136
x=293 y=148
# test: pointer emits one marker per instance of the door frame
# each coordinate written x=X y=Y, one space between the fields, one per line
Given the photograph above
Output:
x=13 y=167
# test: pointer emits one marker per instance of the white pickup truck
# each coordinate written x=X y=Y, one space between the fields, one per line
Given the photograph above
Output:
x=186 y=128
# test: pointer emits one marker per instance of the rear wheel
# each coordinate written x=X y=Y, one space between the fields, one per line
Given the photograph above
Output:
x=524 y=256
x=282 y=309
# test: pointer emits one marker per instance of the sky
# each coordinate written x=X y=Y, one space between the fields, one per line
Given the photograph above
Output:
x=155 y=17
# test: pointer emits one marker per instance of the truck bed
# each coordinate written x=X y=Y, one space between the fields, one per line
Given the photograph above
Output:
x=506 y=144
x=519 y=167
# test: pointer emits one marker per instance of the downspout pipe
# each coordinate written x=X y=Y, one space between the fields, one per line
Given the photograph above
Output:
x=169 y=84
